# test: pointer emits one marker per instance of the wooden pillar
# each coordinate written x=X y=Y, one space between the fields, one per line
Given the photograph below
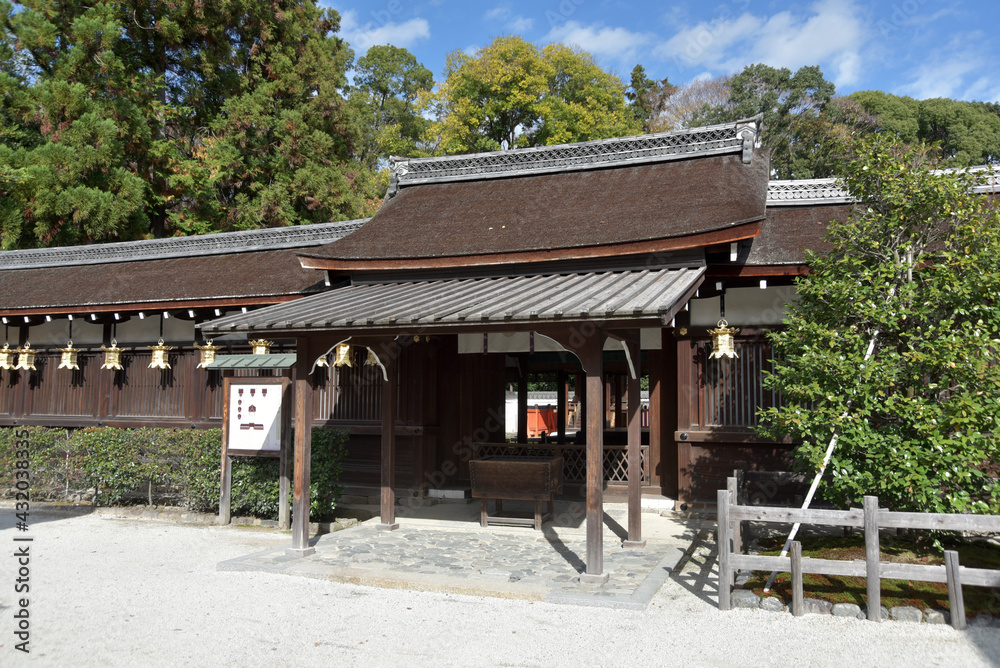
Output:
x=580 y=386
x=685 y=391
x=592 y=356
x=667 y=393
x=634 y=446
x=562 y=390
x=389 y=355
x=303 y=450
x=522 y=402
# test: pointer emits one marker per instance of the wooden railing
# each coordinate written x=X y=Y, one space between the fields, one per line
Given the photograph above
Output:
x=871 y=518
x=574 y=458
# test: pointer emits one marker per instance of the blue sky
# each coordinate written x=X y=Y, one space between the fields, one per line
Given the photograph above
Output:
x=920 y=48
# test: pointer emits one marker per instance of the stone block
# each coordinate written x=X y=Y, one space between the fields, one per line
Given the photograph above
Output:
x=814 y=606
x=847 y=610
x=744 y=598
x=905 y=613
x=936 y=616
x=772 y=604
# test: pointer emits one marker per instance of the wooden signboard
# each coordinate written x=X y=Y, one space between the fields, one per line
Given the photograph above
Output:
x=255 y=423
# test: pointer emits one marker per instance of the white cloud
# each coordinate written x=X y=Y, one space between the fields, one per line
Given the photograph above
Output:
x=503 y=13
x=363 y=36
x=612 y=43
x=831 y=34
x=942 y=77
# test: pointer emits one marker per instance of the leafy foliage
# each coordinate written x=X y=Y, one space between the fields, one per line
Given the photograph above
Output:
x=119 y=464
x=123 y=120
x=916 y=269
x=966 y=133
x=387 y=83
x=512 y=94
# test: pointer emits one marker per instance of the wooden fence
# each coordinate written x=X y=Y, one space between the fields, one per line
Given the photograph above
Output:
x=870 y=519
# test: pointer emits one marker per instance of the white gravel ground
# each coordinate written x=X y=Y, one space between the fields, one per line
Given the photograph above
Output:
x=108 y=592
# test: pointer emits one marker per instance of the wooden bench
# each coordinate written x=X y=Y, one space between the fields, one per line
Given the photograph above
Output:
x=516 y=478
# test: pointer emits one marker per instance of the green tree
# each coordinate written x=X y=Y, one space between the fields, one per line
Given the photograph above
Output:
x=512 y=94
x=387 y=83
x=966 y=133
x=790 y=104
x=648 y=98
x=124 y=120
x=892 y=343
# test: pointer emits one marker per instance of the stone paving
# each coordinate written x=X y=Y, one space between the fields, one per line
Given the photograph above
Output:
x=462 y=557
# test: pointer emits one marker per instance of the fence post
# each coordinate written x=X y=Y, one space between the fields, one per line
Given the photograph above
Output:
x=956 y=602
x=735 y=526
x=872 y=558
x=797 y=593
x=723 y=542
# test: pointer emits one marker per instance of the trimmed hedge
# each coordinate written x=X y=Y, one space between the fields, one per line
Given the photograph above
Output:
x=113 y=466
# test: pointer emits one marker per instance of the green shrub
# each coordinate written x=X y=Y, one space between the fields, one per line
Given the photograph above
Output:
x=117 y=463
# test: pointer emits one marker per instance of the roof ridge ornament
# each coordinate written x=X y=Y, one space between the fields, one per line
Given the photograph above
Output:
x=723 y=138
x=749 y=131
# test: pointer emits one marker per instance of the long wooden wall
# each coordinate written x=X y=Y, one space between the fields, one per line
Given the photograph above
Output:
x=717 y=408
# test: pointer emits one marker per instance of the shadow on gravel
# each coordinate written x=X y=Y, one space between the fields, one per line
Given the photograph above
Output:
x=697 y=571
x=38 y=514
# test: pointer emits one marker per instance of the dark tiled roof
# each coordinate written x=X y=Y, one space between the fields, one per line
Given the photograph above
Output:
x=157 y=249
x=238 y=275
x=791 y=230
x=591 y=208
x=658 y=147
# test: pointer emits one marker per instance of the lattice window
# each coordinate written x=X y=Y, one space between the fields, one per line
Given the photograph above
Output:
x=732 y=389
x=574 y=459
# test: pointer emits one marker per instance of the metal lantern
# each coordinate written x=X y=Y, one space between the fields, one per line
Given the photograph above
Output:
x=69 y=357
x=322 y=361
x=26 y=358
x=207 y=354
x=722 y=341
x=160 y=358
x=343 y=355
x=6 y=357
x=112 y=356
x=261 y=346
x=372 y=358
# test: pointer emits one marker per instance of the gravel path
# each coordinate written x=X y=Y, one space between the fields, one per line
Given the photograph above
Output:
x=107 y=592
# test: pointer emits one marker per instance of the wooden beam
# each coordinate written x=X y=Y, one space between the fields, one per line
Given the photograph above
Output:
x=522 y=400
x=562 y=389
x=303 y=450
x=592 y=356
x=634 y=446
x=389 y=355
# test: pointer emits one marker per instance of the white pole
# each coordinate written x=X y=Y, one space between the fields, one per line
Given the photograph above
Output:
x=822 y=469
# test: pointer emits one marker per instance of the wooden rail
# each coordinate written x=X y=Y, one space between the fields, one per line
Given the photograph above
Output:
x=871 y=518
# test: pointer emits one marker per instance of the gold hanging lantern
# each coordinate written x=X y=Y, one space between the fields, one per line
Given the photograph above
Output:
x=322 y=361
x=6 y=357
x=344 y=355
x=161 y=359
x=207 y=354
x=722 y=340
x=69 y=357
x=261 y=347
x=26 y=358
x=372 y=358
x=112 y=356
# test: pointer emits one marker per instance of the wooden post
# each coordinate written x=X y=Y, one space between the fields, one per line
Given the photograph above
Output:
x=390 y=359
x=956 y=602
x=797 y=593
x=284 y=483
x=522 y=402
x=303 y=450
x=634 y=448
x=592 y=357
x=723 y=542
x=735 y=526
x=872 y=558
x=225 y=496
x=562 y=390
